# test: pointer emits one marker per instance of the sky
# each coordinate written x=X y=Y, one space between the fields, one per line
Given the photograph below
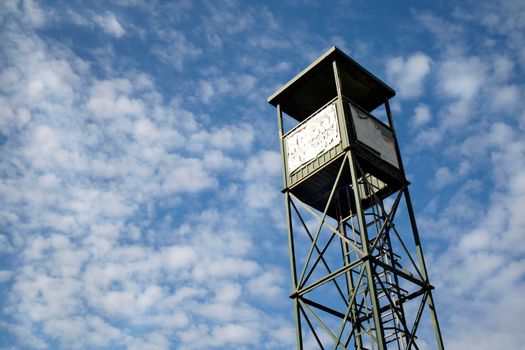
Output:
x=140 y=203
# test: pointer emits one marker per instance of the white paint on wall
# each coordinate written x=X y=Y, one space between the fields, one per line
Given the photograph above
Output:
x=314 y=137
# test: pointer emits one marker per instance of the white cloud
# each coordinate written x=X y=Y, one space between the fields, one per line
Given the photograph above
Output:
x=461 y=78
x=262 y=173
x=98 y=171
x=268 y=285
x=77 y=18
x=222 y=267
x=428 y=137
x=109 y=24
x=206 y=90
x=266 y=163
x=228 y=293
x=179 y=257
x=176 y=48
x=5 y=245
x=5 y=275
x=506 y=19
x=260 y=195
x=219 y=86
x=235 y=334
x=123 y=210
x=110 y=99
x=477 y=219
x=34 y=14
x=408 y=74
x=229 y=18
x=503 y=68
x=421 y=116
x=448 y=32
x=444 y=176
x=186 y=175
x=483 y=246
x=27 y=11
x=476 y=240
x=229 y=138
x=507 y=98
x=217 y=161
x=464 y=83
x=234 y=137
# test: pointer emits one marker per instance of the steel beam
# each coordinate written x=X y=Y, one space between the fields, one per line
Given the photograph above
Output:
x=380 y=335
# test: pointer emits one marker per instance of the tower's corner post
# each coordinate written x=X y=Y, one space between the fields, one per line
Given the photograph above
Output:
x=361 y=222
x=281 y=141
x=293 y=270
x=370 y=275
x=289 y=224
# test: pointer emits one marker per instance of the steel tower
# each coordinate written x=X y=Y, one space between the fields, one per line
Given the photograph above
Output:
x=359 y=278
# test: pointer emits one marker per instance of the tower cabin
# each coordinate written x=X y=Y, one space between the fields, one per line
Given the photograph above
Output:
x=330 y=104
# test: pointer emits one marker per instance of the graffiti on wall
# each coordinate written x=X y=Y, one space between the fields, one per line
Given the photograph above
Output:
x=316 y=136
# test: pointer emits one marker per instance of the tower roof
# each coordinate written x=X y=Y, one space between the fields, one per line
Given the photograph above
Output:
x=315 y=86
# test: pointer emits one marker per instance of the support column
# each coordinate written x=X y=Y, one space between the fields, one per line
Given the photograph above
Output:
x=380 y=334
x=291 y=246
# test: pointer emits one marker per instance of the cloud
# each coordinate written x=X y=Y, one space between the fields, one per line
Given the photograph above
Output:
x=5 y=275
x=104 y=216
x=109 y=24
x=444 y=176
x=421 y=116
x=464 y=83
x=461 y=78
x=262 y=173
x=176 y=48
x=236 y=85
x=5 y=245
x=28 y=12
x=408 y=74
x=507 y=98
x=34 y=13
x=103 y=165
x=474 y=215
x=185 y=175
x=139 y=183
x=228 y=17
x=260 y=195
x=264 y=163
x=506 y=20
x=267 y=285
x=483 y=250
x=110 y=99
x=234 y=137
x=179 y=257
x=449 y=33
x=235 y=334
x=217 y=161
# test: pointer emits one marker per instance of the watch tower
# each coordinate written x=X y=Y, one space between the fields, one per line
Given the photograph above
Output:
x=359 y=278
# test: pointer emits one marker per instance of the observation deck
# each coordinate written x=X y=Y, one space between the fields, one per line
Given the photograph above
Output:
x=330 y=103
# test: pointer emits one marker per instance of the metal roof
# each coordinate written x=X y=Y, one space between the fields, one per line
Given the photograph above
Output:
x=315 y=85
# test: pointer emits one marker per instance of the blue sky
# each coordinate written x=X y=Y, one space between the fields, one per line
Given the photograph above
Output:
x=140 y=173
